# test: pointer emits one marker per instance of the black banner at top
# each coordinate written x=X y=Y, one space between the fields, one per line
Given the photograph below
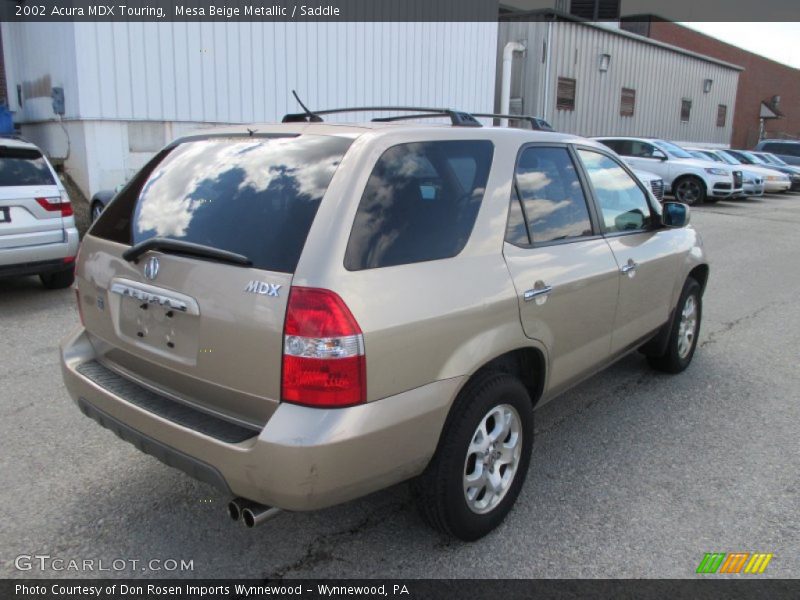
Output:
x=392 y=10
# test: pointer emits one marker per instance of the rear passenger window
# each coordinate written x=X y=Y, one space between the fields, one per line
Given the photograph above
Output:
x=621 y=147
x=419 y=204
x=552 y=197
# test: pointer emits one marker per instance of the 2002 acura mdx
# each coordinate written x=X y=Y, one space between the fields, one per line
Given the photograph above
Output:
x=304 y=313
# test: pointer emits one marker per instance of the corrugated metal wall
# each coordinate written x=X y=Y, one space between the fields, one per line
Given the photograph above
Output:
x=661 y=78
x=244 y=72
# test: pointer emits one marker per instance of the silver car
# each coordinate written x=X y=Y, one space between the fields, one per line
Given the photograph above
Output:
x=37 y=226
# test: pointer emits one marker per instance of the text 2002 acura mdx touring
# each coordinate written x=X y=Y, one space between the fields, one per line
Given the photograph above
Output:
x=305 y=313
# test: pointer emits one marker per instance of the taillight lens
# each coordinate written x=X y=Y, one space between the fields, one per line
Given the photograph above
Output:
x=323 y=351
x=60 y=204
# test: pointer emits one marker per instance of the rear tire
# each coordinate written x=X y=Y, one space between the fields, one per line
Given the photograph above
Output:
x=690 y=190
x=685 y=331
x=59 y=280
x=483 y=456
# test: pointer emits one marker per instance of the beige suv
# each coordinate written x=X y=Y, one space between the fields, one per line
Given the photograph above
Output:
x=304 y=313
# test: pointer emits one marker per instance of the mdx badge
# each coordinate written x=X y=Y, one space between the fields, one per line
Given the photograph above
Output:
x=263 y=288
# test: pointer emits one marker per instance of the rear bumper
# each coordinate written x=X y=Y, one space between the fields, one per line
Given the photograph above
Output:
x=45 y=254
x=303 y=459
x=35 y=268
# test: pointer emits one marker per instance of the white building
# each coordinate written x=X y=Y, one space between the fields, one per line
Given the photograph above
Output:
x=129 y=88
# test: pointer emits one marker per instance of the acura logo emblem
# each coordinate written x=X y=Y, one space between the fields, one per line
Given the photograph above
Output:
x=151 y=268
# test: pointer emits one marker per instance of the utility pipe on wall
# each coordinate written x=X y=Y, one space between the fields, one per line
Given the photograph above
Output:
x=505 y=86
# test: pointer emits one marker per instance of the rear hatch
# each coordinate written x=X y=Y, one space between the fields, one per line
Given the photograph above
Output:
x=184 y=278
x=30 y=200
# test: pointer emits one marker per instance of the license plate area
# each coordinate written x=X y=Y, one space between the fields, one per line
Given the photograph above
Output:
x=160 y=321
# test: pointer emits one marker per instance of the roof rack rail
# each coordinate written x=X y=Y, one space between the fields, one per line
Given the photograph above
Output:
x=535 y=122
x=457 y=118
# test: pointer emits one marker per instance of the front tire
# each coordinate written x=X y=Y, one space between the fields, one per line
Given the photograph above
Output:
x=483 y=456
x=690 y=190
x=685 y=331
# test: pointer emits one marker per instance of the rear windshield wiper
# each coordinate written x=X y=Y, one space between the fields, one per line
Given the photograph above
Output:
x=188 y=248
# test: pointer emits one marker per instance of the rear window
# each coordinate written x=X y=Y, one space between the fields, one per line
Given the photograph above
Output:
x=22 y=166
x=252 y=196
x=419 y=204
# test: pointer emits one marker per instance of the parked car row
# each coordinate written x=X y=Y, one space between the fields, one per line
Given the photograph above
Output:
x=694 y=175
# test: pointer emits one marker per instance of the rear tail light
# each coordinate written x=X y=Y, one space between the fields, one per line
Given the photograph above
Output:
x=60 y=204
x=323 y=351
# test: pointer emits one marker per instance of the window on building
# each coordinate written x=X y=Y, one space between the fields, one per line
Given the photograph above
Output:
x=722 y=114
x=627 y=104
x=596 y=10
x=565 y=94
x=551 y=196
x=686 y=110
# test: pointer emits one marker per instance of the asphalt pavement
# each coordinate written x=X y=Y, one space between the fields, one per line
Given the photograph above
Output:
x=634 y=473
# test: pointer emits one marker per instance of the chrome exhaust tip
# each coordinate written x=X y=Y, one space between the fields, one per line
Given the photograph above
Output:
x=258 y=514
x=236 y=507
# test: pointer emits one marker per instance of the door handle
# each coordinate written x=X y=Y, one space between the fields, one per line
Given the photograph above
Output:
x=629 y=268
x=537 y=292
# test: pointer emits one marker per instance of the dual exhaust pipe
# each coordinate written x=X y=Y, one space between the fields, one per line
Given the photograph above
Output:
x=251 y=513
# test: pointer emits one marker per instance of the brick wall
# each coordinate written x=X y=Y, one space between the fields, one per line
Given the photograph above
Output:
x=761 y=79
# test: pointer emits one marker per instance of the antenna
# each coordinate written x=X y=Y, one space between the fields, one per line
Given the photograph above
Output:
x=311 y=116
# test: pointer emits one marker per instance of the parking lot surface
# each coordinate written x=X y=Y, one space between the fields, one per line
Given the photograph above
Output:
x=634 y=473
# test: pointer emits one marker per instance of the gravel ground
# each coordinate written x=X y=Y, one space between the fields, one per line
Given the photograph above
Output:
x=634 y=474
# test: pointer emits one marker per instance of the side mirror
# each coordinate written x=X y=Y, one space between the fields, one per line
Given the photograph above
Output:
x=674 y=215
x=659 y=155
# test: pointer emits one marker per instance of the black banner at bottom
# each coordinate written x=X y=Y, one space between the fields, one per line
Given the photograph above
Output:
x=411 y=589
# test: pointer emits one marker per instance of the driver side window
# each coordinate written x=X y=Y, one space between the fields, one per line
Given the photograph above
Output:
x=623 y=205
x=643 y=150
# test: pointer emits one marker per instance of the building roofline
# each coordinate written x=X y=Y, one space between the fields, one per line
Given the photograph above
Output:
x=554 y=15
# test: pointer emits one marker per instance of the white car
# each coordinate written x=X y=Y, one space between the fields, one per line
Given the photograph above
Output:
x=652 y=181
x=37 y=226
x=753 y=180
x=689 y=179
